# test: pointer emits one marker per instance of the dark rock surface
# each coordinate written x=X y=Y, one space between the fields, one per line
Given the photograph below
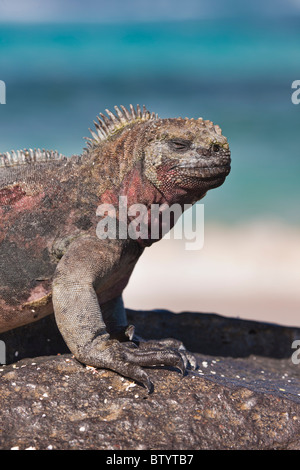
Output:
x=245 y=395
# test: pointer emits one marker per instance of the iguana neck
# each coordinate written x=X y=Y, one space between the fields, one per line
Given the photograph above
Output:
x=136 y=189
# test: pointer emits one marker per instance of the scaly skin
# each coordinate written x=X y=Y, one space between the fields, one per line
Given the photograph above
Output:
x=50 y=256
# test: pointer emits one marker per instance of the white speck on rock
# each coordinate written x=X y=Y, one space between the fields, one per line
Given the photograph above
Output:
x=130 y=386
x=30 y=385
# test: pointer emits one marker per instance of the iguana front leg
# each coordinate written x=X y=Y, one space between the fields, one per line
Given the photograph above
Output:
x=95 y=337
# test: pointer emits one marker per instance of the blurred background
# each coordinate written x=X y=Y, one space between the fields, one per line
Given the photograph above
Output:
x=64 y=61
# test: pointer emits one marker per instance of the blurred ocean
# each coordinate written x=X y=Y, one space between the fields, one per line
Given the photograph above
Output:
x=237 y=73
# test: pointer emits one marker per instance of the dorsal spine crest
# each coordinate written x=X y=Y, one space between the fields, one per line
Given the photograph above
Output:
x=108 y=125
x=28 y=156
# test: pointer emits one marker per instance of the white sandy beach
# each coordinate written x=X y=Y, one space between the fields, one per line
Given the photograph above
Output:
x=248 y=271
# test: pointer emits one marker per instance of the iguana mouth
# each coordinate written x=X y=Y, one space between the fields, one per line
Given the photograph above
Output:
x=205 y=172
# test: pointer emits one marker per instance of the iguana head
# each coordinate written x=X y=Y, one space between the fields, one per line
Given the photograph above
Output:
x=186 y=156
x=181 y=158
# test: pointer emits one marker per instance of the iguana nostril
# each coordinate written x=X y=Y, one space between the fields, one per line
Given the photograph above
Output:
x=203 y=152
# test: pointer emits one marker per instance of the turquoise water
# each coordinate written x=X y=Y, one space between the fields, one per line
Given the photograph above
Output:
x=237 y=73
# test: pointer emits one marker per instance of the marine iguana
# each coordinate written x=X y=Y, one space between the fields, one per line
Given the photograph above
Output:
x=51 y=259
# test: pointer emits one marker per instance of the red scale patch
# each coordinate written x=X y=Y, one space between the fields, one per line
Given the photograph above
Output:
x=11 y=195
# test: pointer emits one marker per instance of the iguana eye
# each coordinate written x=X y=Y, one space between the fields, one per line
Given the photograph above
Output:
x=179 y=144
x=216 y=147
